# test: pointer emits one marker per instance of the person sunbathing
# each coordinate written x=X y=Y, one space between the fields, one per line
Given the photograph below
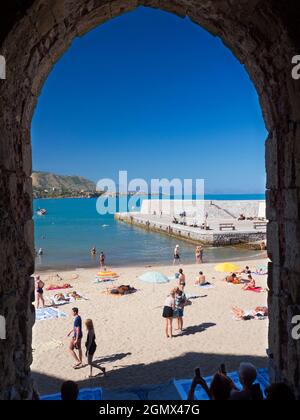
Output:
x=233 y=278
x=241 y=315
x=60 y=297
x=59 y=287
x=122 y=290
x=74 y=295
x=251 y=284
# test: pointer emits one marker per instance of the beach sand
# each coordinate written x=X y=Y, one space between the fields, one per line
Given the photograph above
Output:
x=130 y=330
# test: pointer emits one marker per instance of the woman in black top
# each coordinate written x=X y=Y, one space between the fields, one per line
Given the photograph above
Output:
x=91 y=347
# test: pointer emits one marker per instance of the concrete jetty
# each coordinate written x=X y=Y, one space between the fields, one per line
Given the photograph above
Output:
x=217 y=226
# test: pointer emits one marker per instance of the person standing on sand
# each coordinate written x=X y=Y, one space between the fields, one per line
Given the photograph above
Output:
x=182 y=279
x=176 y=255
x=39 y=292
x=75 y=343
x=180 y=301
x=91 y=347
x=198 y=255
x=102 y=260
x=168 y=313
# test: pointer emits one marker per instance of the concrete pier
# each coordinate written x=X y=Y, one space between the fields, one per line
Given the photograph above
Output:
x=248 y=232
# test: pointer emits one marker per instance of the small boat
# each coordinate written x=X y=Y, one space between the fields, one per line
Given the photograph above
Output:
x=41 y=212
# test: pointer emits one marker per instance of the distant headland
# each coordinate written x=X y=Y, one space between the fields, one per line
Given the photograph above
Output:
x=49 y=185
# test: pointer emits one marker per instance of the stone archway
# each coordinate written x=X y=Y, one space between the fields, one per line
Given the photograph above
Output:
x=262 y=34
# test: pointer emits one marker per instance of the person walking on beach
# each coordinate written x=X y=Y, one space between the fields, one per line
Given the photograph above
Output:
x=91 y=347
x=176 y=255
x=168 y=313
x=75 y=343
x=39 y=292
x=102 y=260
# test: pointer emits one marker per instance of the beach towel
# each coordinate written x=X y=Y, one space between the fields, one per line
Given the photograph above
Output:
x=100 y=280
x=58 y=287
x=48 y=313
x=261 y=271
x=207 y=286
x=84 y=395
x=55 y=302
x=255 y=289
x=183 y=386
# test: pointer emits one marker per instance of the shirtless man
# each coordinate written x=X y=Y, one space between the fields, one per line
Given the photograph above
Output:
x=201 y=280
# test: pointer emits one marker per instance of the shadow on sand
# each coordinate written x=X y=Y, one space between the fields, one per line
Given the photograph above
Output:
x=138 y=375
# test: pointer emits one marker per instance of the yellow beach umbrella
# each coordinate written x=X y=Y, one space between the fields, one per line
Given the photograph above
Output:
x=227 y=268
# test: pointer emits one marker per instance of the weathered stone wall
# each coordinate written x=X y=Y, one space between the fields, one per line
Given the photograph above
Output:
x=263 y=35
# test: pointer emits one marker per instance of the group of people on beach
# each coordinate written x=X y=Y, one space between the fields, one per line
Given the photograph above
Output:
x=174 y=309
x=237 y=278
x=199 y=253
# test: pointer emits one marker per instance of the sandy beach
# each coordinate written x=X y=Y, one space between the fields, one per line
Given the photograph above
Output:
x=130 y=330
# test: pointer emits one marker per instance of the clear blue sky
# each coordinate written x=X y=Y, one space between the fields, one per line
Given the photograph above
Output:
x=155 y=95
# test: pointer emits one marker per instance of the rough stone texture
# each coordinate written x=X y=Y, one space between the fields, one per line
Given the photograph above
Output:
x=263 y=34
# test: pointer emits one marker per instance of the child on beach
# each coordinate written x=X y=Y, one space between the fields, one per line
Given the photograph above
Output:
x=91 y=347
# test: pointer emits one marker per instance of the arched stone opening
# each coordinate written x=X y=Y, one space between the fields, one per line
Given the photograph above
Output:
x=263 y=35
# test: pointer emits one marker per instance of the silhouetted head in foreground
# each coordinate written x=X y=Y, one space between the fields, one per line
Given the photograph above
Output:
x=69 y=391
x=220 y=388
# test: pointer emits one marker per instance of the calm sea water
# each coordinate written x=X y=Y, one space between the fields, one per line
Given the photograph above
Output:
x=73 y=226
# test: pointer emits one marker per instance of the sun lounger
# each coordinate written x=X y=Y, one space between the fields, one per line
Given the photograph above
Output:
x=48 y=313
x=95 y=394
x=183 y=386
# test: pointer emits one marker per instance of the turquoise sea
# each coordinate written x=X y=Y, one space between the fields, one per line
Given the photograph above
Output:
x=73 y=226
